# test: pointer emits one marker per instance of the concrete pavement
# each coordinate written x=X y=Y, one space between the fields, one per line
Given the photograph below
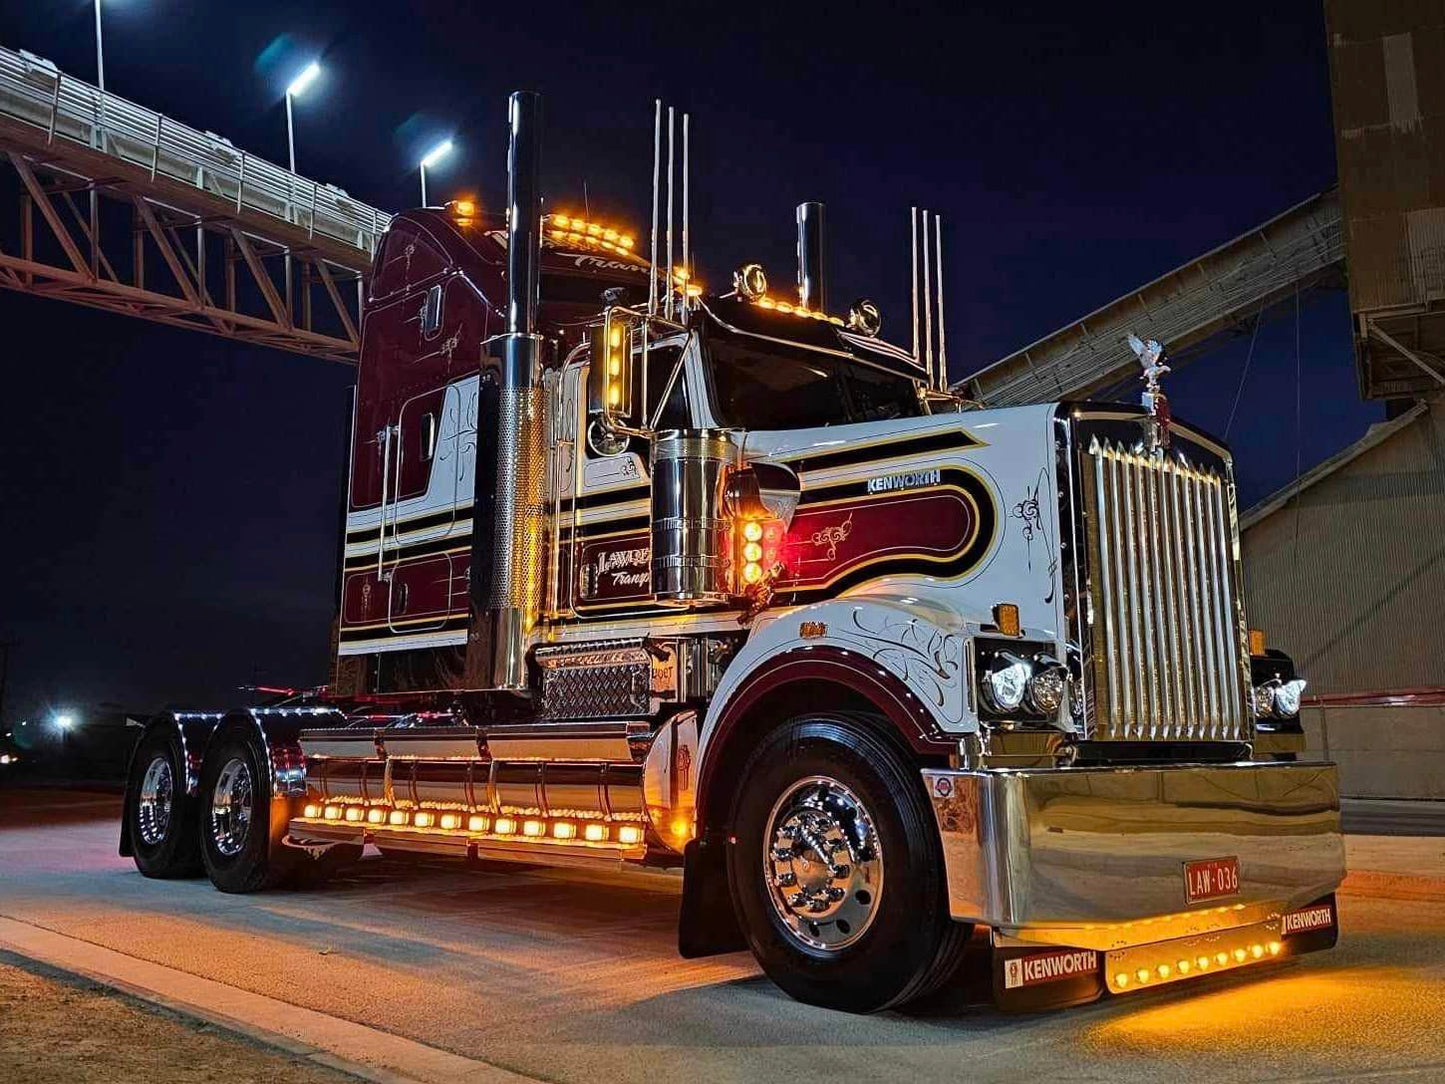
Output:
x=573 y=977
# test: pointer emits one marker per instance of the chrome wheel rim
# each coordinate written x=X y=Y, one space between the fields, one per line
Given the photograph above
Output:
x=231 y=807
x=823 y=864
x=153 y=808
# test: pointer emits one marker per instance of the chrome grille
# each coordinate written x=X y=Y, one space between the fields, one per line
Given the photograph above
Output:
x=1168 y=635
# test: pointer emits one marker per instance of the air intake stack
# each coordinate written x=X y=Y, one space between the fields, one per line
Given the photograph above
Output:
x=811 y=257
x=507 y=540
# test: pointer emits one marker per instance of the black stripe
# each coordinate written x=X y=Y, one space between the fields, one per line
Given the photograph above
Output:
x=433 y=519
x=952 y=439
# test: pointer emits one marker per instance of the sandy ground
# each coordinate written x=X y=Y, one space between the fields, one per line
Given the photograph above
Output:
x=574 y=977
x=59 y=1030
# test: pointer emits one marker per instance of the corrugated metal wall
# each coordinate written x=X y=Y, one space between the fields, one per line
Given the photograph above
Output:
x=1349 y=576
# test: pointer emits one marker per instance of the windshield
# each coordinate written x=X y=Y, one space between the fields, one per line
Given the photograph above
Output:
x=760 y=384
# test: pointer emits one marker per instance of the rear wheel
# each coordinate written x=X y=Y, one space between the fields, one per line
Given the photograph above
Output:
x=161 y=816
x=240 y=844
x=836 y=870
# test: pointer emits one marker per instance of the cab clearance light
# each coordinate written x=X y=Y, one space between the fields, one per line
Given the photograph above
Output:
x=354 y=813
x=766 y=302
x=566 y=229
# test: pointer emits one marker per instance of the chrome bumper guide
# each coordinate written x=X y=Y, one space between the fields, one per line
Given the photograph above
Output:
x=1096 y=857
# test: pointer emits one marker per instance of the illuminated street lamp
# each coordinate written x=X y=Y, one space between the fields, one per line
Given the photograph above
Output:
x=299 y=84
x=431 y=158
x=64 y=723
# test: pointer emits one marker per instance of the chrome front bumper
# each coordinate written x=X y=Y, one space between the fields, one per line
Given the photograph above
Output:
x=1095 y=857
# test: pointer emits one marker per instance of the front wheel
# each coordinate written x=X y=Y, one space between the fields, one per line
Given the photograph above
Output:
x=836 y=870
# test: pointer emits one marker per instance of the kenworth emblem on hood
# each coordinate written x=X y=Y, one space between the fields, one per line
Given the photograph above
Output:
x=1151 y=358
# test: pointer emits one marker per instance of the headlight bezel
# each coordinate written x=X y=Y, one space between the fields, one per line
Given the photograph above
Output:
x=1045 y=683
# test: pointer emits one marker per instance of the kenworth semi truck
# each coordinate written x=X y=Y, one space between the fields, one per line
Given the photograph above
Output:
x=635 y=573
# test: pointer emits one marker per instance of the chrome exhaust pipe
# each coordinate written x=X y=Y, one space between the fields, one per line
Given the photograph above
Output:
x=811 y=257
x=507 y=538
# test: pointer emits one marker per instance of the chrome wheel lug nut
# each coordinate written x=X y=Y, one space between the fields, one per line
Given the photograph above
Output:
x=835 y=894
x=785 y=880
x=842 y=870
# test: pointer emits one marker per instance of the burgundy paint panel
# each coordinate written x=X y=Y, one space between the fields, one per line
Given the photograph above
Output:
x=826 y=542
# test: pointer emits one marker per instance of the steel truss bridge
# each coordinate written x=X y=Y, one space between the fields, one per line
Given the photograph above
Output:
x=121 y=208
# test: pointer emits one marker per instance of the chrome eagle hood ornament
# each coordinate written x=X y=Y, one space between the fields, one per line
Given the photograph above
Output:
x=1151 y=357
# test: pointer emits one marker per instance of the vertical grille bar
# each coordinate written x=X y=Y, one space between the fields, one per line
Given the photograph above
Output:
x=1166 y=612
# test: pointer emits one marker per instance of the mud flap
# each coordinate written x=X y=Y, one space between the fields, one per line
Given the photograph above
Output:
x=708 y=924
x=1036 y=977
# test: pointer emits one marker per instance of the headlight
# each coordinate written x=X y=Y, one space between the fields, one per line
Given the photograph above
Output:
x=1005 y=683
x=1277 y=699
x=1047 y=688
x=1264 y=700
x=1287 y=698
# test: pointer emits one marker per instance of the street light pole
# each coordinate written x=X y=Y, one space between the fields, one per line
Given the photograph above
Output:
x=440 y=151
x=99 y=51
x=299 y=84
x=290 y=134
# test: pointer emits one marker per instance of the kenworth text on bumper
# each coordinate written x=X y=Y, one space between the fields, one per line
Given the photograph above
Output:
x=636 y=572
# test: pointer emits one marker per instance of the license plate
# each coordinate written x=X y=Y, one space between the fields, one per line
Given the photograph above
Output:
x=1211 y=879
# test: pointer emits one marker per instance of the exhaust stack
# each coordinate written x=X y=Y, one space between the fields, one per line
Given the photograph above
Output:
x=507 y=540
x=811 y=257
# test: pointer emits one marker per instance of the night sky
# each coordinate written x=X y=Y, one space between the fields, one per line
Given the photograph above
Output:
x=170 y=499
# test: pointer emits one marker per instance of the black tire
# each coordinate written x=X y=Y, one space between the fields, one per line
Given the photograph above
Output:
x=237 y=858
x=160 y=816
x=908 y=945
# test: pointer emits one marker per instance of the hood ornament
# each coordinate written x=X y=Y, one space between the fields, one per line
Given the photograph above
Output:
x=1151 y=358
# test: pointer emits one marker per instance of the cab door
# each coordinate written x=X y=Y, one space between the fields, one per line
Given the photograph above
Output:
x=611 y=555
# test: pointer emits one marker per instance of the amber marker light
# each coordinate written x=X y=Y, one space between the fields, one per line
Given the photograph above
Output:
x=375 y=816
x=478 y=824
x=311 y=812
x=398 y=817
x=629 y=833
x=1274 y=948
x=595 y=833
x=451 y=821
x=533 y=828
x=1121 y=980
x=423 y=819
x=564 y=830
x=354 y=813
x=505 y=826
x=333 y=813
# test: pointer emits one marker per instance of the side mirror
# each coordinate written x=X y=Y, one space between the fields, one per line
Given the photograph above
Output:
x=609 y=380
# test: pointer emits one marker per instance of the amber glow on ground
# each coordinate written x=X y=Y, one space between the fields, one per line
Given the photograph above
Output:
x=1240 y=1012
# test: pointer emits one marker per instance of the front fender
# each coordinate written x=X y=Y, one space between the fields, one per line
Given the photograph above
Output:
x=919 y=644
